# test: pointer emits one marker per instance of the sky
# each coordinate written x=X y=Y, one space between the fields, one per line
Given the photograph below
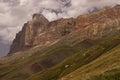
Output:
x=14 y=13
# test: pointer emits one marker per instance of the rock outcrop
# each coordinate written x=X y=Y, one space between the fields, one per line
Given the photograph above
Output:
x=39 y=31
x=25 y=38
x=97 y=24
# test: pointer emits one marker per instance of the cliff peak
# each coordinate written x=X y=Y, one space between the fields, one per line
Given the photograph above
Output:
x=37 y=17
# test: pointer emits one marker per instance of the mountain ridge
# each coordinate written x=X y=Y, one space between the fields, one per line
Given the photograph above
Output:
x=39 y=31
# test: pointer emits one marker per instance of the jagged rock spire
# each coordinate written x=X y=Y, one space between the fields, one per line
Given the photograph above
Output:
x=39 y=18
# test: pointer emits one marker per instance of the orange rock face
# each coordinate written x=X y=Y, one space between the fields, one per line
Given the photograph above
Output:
x=39 y=31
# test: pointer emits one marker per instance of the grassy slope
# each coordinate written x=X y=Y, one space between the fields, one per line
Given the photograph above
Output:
x=77 y=60
x=70 y=57
x=12 y=66
x=106 y=67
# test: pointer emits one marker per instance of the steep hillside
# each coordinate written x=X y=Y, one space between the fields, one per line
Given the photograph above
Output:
x=85 y=48
x=79 y=59
x=59 y=60
x=106 y=67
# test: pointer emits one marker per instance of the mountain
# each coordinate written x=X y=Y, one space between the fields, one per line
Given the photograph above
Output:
x=82 y=48
x=39 y=31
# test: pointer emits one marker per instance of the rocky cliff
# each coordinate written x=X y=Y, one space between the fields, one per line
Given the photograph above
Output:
x=39 y=31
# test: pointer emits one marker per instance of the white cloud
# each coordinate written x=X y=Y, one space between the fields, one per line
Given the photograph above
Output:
x=7 y=34
x=23 y=2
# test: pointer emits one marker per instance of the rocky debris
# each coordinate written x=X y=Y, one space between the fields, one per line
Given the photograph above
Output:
x=66 y=66
x=39 y=31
